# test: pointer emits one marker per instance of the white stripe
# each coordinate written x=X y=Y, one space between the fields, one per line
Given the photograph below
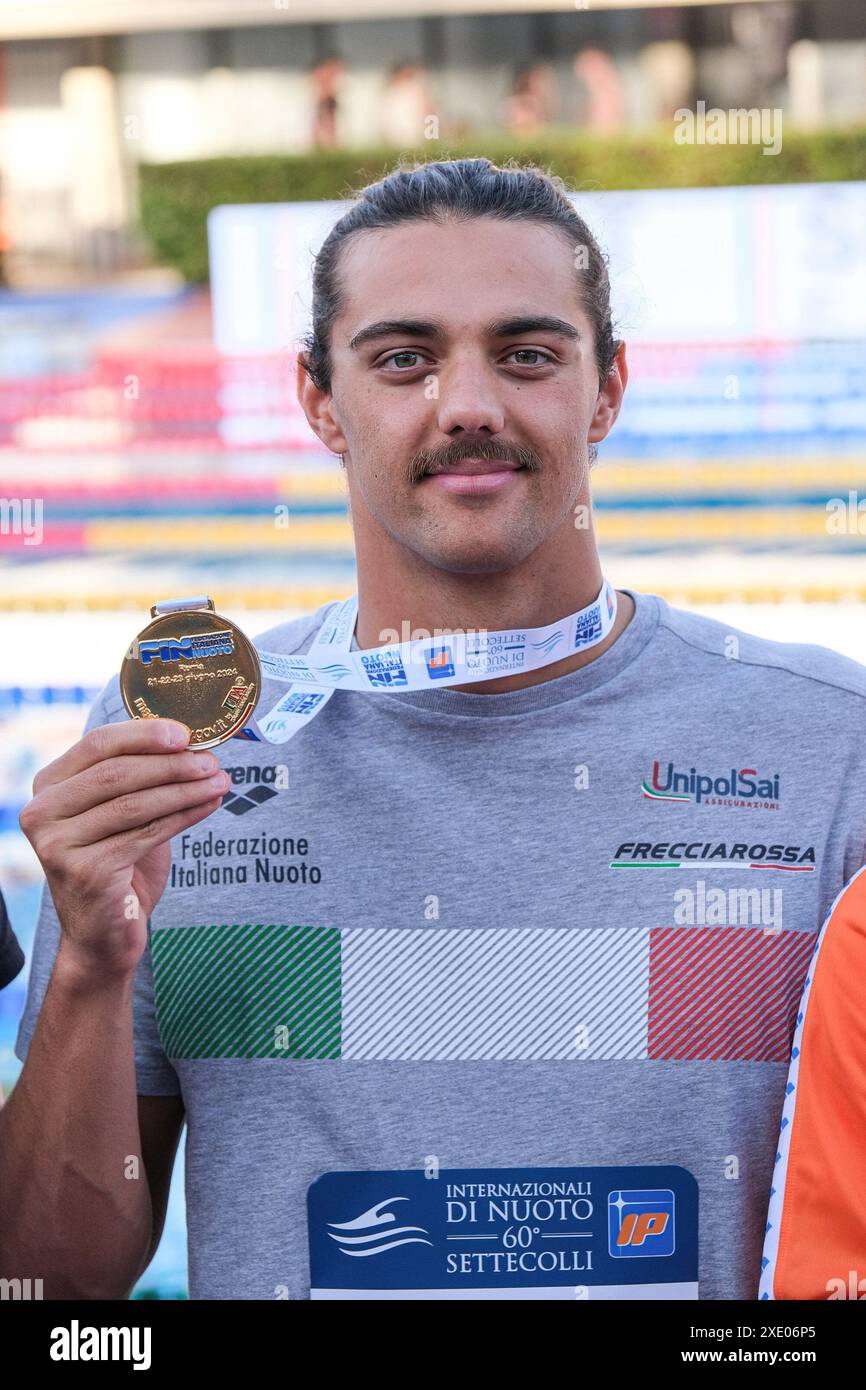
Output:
x=419 y=994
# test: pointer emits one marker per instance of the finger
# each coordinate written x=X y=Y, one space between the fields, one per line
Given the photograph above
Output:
x=110 y=741
x=139 y=808
x=129 y=846
x=115 y=777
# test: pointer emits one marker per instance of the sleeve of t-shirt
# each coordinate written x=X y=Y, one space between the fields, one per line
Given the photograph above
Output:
x=155 y=1076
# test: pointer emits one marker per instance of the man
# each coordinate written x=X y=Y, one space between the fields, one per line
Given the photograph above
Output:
x=481 y=991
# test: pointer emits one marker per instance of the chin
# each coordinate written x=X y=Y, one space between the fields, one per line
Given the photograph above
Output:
x=474 y=545
x=474 y=559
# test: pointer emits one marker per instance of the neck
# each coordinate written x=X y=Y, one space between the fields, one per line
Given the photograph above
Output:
x=409 y=598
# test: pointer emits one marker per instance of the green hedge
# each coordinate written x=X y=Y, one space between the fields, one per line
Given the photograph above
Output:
x=174 y=199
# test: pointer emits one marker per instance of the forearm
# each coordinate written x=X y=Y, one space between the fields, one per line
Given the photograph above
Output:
x=75 y=1205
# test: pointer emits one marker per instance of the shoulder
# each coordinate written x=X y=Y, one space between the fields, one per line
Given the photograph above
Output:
x=780 y=662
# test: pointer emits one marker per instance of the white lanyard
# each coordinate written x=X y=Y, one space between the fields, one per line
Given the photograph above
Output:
x=456 y=658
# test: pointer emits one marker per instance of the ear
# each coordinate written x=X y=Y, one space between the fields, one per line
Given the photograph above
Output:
x=319 y=408
x=607 y=406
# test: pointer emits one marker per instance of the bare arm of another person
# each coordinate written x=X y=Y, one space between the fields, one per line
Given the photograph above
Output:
x=75 y=1209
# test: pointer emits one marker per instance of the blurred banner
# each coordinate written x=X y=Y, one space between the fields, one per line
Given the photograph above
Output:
x=695 y=265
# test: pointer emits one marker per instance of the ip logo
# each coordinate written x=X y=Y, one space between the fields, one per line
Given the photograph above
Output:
x=439 y=663
x=640 y=1222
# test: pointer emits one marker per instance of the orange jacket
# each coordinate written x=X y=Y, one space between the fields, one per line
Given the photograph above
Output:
x=815 y=1242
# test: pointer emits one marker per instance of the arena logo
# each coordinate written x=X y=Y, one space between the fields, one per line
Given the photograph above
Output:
x=739 y=787
x=644 y=854
x=266 y=783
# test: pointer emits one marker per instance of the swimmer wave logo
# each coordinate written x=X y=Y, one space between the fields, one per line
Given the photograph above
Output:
x=295 y=668
x=374 y=1232
x=549 y=643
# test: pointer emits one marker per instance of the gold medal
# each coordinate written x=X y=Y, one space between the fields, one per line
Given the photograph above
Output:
x=193 y=665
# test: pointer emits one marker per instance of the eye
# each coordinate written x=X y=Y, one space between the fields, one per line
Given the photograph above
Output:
x=403 y=353
x=531 y=352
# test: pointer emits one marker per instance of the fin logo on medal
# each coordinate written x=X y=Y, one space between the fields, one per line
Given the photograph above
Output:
x=191 y=664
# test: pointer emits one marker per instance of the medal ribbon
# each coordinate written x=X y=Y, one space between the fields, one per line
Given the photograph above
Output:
x=456 y=658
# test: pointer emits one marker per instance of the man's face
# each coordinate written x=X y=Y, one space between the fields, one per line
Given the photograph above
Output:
x=464 y=389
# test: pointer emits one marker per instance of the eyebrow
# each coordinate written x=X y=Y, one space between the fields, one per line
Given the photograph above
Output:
x=430 y=328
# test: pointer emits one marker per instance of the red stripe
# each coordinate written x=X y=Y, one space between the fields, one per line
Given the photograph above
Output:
x=787 y=868
x=724 y=993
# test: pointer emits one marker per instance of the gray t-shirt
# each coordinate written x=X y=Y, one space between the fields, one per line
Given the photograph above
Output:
x=492 y=995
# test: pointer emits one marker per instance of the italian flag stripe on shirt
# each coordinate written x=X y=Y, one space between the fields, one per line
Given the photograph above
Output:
x=467 y=994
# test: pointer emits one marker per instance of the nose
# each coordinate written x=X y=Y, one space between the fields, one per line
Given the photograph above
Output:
x=468 y=400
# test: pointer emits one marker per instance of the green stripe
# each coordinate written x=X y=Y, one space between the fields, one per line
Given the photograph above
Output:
x=644 y=863
x=245 y=990
x=662 y=796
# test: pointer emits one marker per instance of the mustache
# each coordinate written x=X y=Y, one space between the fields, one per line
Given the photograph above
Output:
x=440 y=460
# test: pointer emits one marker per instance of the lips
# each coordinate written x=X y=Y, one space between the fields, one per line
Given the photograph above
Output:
x=469 y=466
